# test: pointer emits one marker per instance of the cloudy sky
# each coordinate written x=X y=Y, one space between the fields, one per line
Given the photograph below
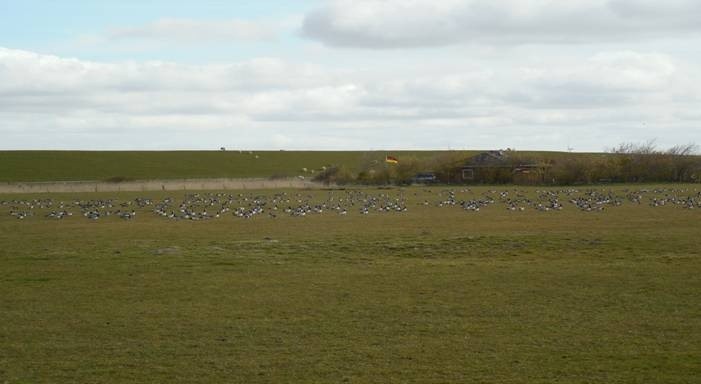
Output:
x=349 y=74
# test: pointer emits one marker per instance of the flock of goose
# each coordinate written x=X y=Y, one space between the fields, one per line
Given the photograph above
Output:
x=588 y=200
x=206 y=206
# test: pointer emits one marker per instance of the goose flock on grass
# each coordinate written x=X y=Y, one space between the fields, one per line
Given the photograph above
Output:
x=209 y=206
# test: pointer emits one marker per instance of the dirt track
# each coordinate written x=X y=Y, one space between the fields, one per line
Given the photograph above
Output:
x=156 y=185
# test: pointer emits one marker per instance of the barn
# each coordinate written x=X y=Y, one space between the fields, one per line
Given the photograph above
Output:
x=500 y=167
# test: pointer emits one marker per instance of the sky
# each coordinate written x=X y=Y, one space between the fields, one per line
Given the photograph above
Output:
x=577 y=75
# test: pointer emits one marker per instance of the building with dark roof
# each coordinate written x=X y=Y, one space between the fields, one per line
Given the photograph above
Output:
x=500 y=167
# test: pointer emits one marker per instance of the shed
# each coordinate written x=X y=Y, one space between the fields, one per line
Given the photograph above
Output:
x=499 y=167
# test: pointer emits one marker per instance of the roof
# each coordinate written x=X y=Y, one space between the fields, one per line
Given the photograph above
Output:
x=489 y=159
x=497 y=159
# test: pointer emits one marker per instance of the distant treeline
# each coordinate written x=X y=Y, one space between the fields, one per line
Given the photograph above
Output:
x=627 y=163
x=632 y=163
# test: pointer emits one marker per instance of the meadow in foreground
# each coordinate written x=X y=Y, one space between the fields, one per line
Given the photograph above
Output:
x=436 y=292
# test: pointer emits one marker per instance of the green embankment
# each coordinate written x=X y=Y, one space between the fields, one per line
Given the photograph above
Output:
x=21 y=166
x=88 y=165
x=95 y=165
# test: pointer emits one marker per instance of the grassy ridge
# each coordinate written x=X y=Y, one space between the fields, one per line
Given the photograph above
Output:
x=144 y=165
x=103 y=165
x=24 y=166
x=431 y=296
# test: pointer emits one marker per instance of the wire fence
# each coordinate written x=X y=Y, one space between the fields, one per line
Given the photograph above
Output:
x=157 y=185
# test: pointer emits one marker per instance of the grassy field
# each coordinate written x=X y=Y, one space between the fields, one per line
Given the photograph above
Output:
x=103 y=165
x=431 y=295
x=21 y=166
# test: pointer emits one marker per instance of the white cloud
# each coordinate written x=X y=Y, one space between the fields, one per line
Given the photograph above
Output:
x=604 y=80
x=197 y=31
x=429 y=23
x=54 y=102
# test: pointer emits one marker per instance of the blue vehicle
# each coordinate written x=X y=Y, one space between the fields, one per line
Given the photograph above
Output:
x=425 y=178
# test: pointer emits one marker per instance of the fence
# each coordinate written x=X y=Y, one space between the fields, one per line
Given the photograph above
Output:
x=156 y=185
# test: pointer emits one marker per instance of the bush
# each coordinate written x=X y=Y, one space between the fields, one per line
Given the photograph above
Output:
x=625 y=163
x=335 y=175
x=645 y=163
x=446 y=166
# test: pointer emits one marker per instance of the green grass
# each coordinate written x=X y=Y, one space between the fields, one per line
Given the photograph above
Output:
x=31 y=166
x=22 y=166
x=432 y=296
x=103 y=165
